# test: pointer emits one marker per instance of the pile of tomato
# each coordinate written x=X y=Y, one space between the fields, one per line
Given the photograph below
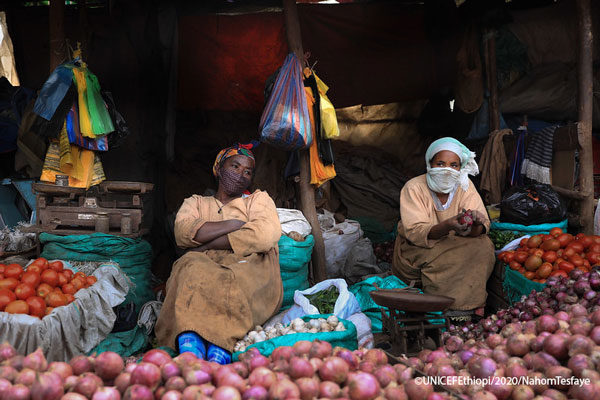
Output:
x=40 y=288
x=557 y=253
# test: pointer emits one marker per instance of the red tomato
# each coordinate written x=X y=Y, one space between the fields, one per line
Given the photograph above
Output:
x=48 y=310
x=34 y=268
x=537 y=252
x=2 y=267
x=564 y=239
x=70 y=298
x=24 y=290
x=579 y=235
x=78 y=283
x=549 y=256
x=577 y=246
x=534 y=241
x=42 y=262
x=43 y=290
x=544 y=270
x=68 y=288
x=596 y=239
x=62 y=280
x=32 y=278
x=547 y=237
x=90 y=280
x=37 y=306
x=529 y=275
x=521 y=256
x=68 y=274
x=514 y=265
x=569 y=252
x=6 y=296
x=559 y=272
x=582 y=268
x=595 y=248
x=551 y=245
x=56 y=299
x=8 y=283
x=586 y=241
x=556 y=232
x=501 y=255
x=80 y=274
x=523 y=242
x=50 y=277
x=566 y=266
x=576 y=260
x=56 y=266
x=17 y=307
x=13 y=271
x=509 y=256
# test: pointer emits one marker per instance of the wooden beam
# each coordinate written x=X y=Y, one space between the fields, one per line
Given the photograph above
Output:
x=571 y=194
x=584 y=125
x=58 y=48
x=489 y=41
x=307 y=192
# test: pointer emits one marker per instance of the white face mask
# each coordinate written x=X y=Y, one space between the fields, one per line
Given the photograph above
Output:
x=442 y=180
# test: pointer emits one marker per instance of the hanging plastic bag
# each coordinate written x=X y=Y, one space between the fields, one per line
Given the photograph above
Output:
x=54 y=90
x=532 y=205
x=101 y=122
x=285 y=122
x=75 y=136
x=329 y=124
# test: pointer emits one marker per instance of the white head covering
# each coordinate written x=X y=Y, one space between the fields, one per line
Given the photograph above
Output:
x=468 y=166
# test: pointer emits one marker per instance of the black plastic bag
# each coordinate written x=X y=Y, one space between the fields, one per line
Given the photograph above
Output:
x=532 y=205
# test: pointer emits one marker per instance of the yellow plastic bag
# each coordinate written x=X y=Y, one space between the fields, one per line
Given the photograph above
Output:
x=329 y=124
x=82 y=166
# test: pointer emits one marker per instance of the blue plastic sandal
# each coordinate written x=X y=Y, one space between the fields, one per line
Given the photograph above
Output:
x=191 y=342
x=218 y=354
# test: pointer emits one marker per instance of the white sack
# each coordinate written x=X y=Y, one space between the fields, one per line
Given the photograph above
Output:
x=364 y=334
x=73 y=329
x=293 y=221
x=338 y=240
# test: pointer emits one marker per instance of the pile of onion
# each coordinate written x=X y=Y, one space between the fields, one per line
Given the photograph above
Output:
x=307 y=370
x=554 y=333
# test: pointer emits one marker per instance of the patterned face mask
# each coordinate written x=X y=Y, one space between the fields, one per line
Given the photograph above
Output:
x=233 y=183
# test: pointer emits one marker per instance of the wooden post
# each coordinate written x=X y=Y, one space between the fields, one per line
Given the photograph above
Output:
x=58 y=53
x=489 y=44
x=307 y=192
x=584 y=126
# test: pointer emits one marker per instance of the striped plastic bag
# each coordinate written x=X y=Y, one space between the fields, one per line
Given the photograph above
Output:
x=285 y=122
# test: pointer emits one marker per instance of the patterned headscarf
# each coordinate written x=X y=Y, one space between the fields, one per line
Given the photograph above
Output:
x=236 y=149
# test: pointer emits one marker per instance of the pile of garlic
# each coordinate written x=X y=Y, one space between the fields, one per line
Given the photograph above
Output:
x=298 y=325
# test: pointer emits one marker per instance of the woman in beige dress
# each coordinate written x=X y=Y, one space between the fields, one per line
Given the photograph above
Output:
x=435 y=245
x=229 y=281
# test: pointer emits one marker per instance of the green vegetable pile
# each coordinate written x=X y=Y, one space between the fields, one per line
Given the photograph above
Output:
x=324 y=300
x=502 y=238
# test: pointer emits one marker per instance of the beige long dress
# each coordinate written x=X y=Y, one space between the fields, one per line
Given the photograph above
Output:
x=223 y=294
x=453 y=266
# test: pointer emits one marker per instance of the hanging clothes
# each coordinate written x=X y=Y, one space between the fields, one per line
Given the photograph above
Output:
x=538 y=159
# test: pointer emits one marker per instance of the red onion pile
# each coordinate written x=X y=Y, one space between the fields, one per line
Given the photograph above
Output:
x=308 y=370
x=555 y=333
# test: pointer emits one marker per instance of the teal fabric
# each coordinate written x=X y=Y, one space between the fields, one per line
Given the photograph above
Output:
x=133 y=255
x=529 y=229
x=369 y=307
x=516 y=285
x=347 y=338
x=375 y=231
x=293 y=264
x=125 y=343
